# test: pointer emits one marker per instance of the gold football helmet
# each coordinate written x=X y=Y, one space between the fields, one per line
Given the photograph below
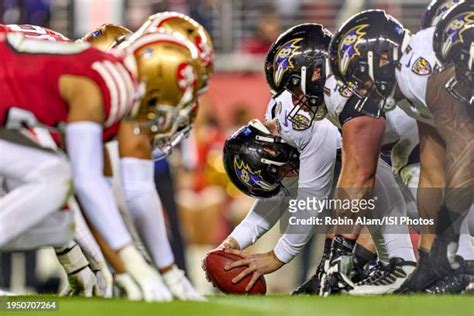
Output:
x=106 y=36
x=183 y=26
x=168 y=67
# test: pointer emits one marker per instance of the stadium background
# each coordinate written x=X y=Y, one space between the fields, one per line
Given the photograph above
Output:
x=199 y=201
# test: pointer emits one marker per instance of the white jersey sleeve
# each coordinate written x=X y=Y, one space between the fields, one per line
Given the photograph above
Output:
x=401 y=130
x=416 y=66
x=317 y=146
x=262 y=216
x=334 y=100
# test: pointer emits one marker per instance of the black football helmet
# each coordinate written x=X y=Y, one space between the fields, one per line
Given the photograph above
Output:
x=297 y=62
x=435 y=11
x=453 y=43
x=364 y=54
x=256 y=161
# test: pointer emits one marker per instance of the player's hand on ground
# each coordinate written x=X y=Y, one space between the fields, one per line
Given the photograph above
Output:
x=127 y=287
x=148 y=279
x=105 y=281
x=257 y=265
x=82 y=283
x=179 y=285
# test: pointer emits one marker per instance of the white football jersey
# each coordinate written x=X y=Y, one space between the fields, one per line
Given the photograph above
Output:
x=400 y=129
x=417 y=64
x=317 y=145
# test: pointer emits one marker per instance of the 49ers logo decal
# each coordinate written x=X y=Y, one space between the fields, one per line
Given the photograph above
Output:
x=186 y=77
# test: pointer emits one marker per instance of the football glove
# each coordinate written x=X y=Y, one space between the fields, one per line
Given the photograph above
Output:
x=180 y=286
x=127 y=287
x=82 y=280
x=148 y=279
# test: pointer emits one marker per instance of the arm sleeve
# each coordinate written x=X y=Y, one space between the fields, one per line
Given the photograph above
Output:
x=85 y=150
x=145 y=208
x=261 y=217
x=317 y=159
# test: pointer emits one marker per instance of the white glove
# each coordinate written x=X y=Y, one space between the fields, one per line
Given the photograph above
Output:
x=147 y=278
x=83 y=283
x=127 y=286
x=105 y=280
x=180 y=286
x=82 y=280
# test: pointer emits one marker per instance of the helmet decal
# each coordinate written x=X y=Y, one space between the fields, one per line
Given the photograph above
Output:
x=455 y=30
x=186 y=77
x=443 y=8
x=248 y=177
x=347 y=47
x=282 y=60
x=97 y=33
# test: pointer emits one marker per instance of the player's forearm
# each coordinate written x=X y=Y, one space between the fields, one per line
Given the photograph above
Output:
x=85 y=239
x=84 y=146
x=145 y=208
x=290 y=245
x=262 y=216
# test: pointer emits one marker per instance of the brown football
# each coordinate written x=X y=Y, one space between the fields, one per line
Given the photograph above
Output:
x=214 y=264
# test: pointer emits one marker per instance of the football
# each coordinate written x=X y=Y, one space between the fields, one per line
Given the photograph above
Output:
x=214 y=264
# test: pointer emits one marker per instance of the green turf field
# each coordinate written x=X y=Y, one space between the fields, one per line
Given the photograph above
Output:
x=272 y=306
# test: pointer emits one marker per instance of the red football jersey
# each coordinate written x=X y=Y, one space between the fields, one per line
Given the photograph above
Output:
x=34 y=32
x=29 y=80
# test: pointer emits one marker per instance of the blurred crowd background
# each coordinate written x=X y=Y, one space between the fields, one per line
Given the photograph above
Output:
x=201 y=205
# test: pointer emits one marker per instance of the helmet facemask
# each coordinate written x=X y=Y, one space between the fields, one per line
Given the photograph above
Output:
x=163 y=143
x=307 y=89
x=461 y=86
x=372 y=80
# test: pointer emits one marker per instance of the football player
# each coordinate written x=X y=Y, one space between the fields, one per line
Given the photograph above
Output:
x=398 y=244
x=71 y=86
x=406 y=150
x=394 y=69
x=147 y=215
x=90 y=267
x=258 y=156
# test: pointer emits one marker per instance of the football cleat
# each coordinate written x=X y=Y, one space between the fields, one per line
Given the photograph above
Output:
x=420 y=278
x=373 y=272
x=313 y=285
x=364 y=263
x=395 y=274
x=456 y=282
